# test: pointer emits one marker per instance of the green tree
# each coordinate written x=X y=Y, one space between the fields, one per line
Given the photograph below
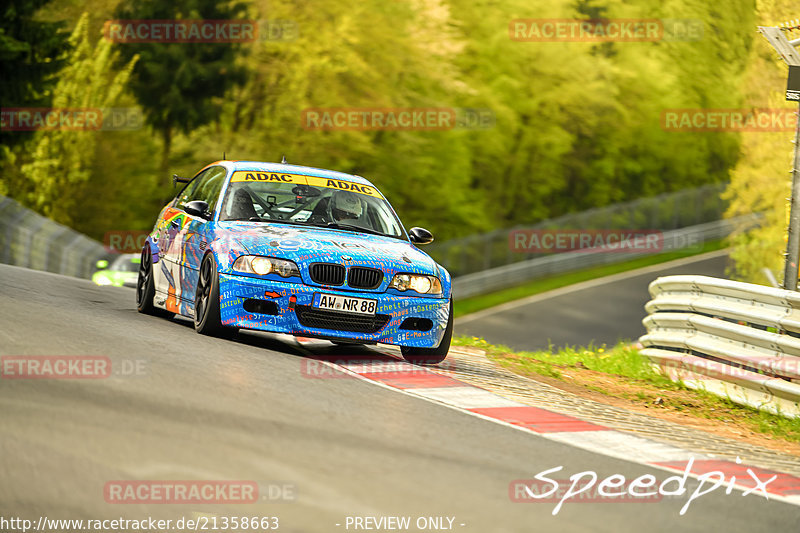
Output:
x=31 y=52
x=180 y=85
x=761 y=181
x=61 y=160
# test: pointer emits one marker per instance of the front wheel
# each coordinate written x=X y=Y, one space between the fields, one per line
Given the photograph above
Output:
x=145 y=287
x=206 y=302
x=431 y=356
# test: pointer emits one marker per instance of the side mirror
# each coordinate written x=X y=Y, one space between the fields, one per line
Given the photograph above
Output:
x=178 y=179
x=420 y=236
x=101 y=264
x=197 y=208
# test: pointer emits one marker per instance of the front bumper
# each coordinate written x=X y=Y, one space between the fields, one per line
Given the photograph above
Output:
x=294 y=315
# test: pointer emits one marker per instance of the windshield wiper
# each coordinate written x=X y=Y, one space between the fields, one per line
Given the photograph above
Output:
x=352 y=227
x=270 y=220
x=282 y=221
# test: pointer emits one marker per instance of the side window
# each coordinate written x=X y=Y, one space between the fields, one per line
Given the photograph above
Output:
x=209 y=186
x=186 y=194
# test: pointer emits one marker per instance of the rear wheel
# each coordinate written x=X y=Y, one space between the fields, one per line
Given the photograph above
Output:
x=206 y=302
x=431 y=356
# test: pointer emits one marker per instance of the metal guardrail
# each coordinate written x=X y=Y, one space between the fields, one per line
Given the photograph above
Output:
x=665 y=212
x=734 y=339
x=28 y=239
x=509 y=275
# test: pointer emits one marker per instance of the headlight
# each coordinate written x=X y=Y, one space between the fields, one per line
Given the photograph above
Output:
x=255 y=264
x=416 y=282
x=261 y=265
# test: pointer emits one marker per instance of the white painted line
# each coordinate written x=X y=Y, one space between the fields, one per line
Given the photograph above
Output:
x=624 y=446
x=795 y=499
x=465 y=397
x=588 y=285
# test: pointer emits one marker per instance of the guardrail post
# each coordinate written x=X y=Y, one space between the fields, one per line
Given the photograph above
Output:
x=793 y=240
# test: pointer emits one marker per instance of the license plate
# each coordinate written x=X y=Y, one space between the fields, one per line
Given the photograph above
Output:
x=345 y=304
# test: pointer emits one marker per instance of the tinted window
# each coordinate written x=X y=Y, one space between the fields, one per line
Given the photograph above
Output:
x=205 y=186
x=302 y=204
x=187 y=191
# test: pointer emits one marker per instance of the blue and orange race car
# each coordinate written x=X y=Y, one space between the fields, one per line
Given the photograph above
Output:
x=295 y=250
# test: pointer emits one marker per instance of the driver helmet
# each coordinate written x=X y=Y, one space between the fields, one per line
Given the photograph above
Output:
x=345 y=205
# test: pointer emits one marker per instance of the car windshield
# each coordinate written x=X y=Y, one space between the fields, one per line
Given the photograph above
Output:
x=308 y=205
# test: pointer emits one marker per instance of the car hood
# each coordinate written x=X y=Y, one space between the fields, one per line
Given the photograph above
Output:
x=305 y=245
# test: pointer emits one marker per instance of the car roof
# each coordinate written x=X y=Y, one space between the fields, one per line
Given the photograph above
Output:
x=260 y=166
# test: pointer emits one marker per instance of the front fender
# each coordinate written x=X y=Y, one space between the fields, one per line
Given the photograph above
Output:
x=226 y=251
x=154 y=250
x=447 y=282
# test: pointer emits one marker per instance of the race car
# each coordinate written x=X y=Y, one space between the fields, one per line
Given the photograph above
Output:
x=121 y=272
x=295 y=250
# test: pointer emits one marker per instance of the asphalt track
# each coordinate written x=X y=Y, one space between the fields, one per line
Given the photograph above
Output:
x=600 y=311
x=210 y=409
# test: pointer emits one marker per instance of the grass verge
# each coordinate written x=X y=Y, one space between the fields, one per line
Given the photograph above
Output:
x=466 y=306
x=621 y=373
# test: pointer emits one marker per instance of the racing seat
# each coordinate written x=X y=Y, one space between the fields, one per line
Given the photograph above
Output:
x=320 y=211
x=241 y=206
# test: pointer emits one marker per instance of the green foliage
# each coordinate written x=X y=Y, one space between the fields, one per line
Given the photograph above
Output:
x=31 y=52
x=761 y=182
x=179 y=85
x=577 y=124
x=620 y=360
x=61 y=160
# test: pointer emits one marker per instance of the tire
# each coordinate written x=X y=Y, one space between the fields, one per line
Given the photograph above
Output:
x=145 y=287
x=431 y=356
x=206 y=302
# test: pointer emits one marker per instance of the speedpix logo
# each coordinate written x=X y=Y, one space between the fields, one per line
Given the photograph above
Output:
x=587 y=486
